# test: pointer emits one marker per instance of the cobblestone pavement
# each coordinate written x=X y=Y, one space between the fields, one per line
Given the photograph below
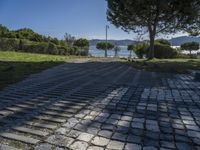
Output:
x=100 y=105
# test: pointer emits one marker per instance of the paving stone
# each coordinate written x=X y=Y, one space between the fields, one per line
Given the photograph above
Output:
x=74 y=133
x=24 y=139
x=138 y=125
x=100 y=141
x=63 y=131
x=134 y=139
x=194 y=134
x=115 y=145
x=31 y=131
x=6 y=147
x=184 y=146
x=149 y=148
x=168 y=144
x=95 y=148
x=130 y=146
x=119 y=136
x=79 y=145
x=124 y=124
x=85 y=137
x=44 y=146
x=105 y=133
x=60 y=140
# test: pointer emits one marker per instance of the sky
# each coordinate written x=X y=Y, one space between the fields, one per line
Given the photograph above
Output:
x=81 y=18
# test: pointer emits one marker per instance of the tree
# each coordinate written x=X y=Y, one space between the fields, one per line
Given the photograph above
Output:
x=153 y=16
x=116 y=49
x=69 y=39
x=82 y=43
x=140 y=49
x=130 y=48
x=104 y=46
x=3 y=30
x=190 y=46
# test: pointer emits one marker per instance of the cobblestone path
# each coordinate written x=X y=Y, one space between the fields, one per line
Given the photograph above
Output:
x=100 y=105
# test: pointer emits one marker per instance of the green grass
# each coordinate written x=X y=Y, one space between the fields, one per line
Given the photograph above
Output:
x=166 y=65
x=15 y=66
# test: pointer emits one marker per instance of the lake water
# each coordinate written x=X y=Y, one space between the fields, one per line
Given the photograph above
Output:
x=123 y=53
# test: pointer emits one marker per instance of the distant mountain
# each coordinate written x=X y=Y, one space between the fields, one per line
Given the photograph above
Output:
x=174 y=41
x=115 y=42
x=183 y=39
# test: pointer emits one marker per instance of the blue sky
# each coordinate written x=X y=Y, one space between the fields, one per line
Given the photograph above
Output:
x=82 y=18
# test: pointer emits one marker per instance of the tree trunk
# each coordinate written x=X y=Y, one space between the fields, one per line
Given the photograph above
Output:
x=115 y=53
x=130 y=54
x=151 y=48
x=106 y=54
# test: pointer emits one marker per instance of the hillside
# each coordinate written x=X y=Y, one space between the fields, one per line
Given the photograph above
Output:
x=183 y=39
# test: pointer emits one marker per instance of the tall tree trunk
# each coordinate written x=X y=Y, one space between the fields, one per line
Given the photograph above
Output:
x=151 y=48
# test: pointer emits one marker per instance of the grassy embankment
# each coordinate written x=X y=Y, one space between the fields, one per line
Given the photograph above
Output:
x=15 y=66
x=166 y=65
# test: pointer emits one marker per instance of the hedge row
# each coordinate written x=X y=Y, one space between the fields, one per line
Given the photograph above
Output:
x=13 y=44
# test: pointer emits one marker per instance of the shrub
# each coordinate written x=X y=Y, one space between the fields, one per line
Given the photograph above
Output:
x=7 y=44
x=81 y=43
x=34 y=47
x=140 y=49
x=51 y=49
x=164 y=51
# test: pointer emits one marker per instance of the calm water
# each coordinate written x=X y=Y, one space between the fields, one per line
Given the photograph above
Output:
x=111 y=53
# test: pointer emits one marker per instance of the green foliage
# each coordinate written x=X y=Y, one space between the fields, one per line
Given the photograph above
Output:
x=26 y=40
x=130 y=47
x=104 y=46
x=163 y=42
x=7 y=44
x=69 y=39
x=81 y=43
x=164 y=51
x=3 y=30
x=190 y=46
x=140 y=49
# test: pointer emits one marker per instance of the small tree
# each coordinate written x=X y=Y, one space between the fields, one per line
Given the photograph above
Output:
x=140 y=49
x=104 y=46
x=81 y=43
x=69 y=39
x=190 y=46
x=130 y=48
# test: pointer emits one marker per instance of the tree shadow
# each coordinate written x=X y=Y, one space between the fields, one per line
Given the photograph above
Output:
x=12 y=72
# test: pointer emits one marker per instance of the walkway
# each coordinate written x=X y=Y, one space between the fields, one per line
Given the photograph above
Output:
x=100 y=105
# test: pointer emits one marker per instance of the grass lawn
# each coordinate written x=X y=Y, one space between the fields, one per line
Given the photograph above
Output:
x=166 y=65
x=15 y=66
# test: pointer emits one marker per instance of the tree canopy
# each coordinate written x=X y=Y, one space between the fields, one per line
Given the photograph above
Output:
x=153 y=16
x=104 y=46
x=189 y=46
x=81 y=43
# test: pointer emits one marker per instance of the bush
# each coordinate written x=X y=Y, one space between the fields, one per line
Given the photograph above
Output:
x=51 y=49
x=164 y=51
x=186 y=56
x=35 y=47
x=7 y=44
